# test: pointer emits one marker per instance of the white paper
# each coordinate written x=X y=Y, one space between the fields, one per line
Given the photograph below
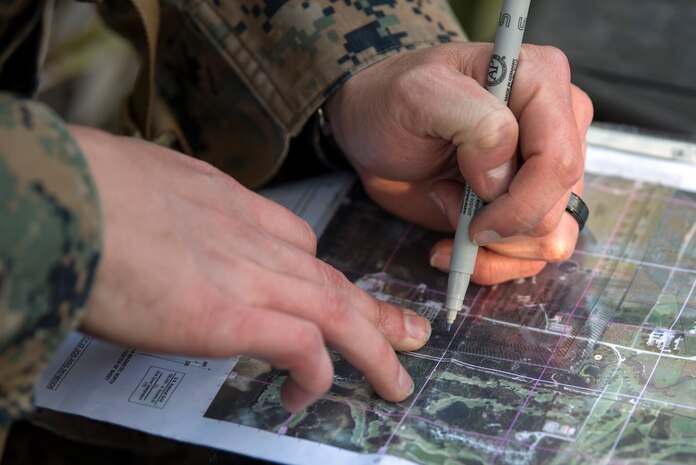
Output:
x=634 y=156
x=315 y=200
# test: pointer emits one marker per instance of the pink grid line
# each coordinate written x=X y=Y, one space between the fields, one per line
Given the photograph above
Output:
x=532 y=391
x=383 y=449
x=611 y=452
x=645 y=328
x=382 y=413
x=394 y=280
x=620 y=397
x=637 y=262
x=284 y=427
x=618 y=191
x=682 y=202
x=633 y=193
x=402 y=239
x=610 y=189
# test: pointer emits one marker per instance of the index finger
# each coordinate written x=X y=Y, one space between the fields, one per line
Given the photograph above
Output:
x=344 y=327
x=550 y=146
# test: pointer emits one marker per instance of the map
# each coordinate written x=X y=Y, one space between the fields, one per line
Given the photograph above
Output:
x=592 y=361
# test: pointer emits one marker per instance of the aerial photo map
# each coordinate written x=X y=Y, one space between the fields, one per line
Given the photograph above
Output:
x=592 y=361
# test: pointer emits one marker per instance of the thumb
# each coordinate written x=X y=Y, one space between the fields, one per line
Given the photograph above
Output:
x=456 y=108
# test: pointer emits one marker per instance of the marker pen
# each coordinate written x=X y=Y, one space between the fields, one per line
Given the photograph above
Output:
x=501 y=73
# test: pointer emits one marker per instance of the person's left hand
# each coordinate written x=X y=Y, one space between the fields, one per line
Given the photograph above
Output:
x=417 y=125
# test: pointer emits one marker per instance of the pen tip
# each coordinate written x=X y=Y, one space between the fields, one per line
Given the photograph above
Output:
x=449 y=327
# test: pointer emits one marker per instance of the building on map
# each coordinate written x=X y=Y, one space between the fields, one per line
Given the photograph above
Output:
x=664 y=339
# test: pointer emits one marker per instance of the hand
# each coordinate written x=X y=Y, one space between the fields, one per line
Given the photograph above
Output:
x=417 y=125
x=196 y=264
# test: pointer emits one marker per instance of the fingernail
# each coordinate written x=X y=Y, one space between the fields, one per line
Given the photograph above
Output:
x=498 y=179
x=405 y=382
x=416 y=326
x=440 y=260
x=438 y=202
x=484 y=238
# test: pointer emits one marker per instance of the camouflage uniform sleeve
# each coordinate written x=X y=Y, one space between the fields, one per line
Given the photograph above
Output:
x=252 y=72
x=50 y=241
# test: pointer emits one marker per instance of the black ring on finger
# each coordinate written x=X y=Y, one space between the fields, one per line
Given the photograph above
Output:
x=578 y=210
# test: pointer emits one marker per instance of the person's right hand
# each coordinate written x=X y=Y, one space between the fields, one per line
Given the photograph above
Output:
x=417 y=125
x=196 y=264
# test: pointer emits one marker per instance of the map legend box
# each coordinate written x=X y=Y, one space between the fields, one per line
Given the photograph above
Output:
x=156 y=387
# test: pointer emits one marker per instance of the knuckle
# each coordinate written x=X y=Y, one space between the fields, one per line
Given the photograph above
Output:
x=523 y=220
x=313 y=373
x=584 y=104
x=244 y=231
x=325 y=381
x=557 y=61
x=569 y=164
x=381 y=316
x=384 y=353
x=414 y=85
x=415 y=76
x=496 y=128
x=338 y=311
x=226 y=186
x=541 y=230
x=309 y=237
x=329 y=276
x=301 y=233
x=557 y=249
x=216 y=314
x=206 y=168
x=405 y=85
x=308 y=339
x=545 y=227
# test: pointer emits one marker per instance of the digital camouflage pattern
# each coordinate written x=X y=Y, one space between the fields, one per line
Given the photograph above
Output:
x=242 y=77
x=245 y=76
x=49 y=244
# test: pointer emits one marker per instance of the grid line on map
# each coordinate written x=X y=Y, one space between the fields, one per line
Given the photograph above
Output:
x=383 y=449
x=619 y=191
x=687 y=240
x=398 y=246
x=532 y=391
x=444 y=353
x=638 y=262
x=611 y=452
x=339 y=400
